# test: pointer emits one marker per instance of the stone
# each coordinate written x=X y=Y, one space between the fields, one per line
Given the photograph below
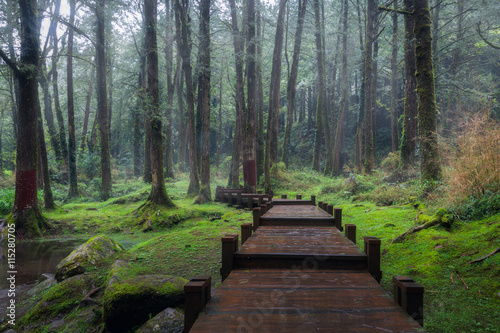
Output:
x=129 y=301
x=89 y=254
x=167 y=321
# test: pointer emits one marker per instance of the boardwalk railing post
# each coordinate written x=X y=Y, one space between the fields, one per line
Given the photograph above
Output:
x=263 y=209
x=410 y=296
x=350 y=232
x=283 y=196
x=230 y=199
x=320 y=204
x=329 y=209
x=229 y=247
x=337 y=215
x=298 y=197
x=217 y=193
x=260 y=200
x=246 y=232
x=372 y=246
x=238 y=200
x=197 y=294
x=256 y=218
x=259 y=192
x=250 y=202
x=313 y=200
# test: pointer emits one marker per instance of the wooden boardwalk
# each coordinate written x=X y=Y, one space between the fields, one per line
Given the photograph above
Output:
x=300 y=275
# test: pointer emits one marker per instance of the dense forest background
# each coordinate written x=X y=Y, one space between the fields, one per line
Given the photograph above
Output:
x=328 y=85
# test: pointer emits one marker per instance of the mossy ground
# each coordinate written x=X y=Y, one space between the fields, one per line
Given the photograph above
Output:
x=185 y=241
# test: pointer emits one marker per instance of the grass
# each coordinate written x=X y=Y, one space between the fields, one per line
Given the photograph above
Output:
x=185 y=241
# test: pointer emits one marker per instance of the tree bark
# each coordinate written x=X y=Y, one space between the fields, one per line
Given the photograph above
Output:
x=292 y=80
x=158 y=194
x=337 y=166
x=394 y=82
x=182 y=122
x=430 y=167
x=147 y=176
x=321 y=101
x=171 y=84
x=409 y=135
x=260 y=149
x=102 y=102
x=84 y=139
x=73 y=180
x=183 y=41
x=274 y=98
x=360 y=123
x=48 y=197
x=204 y=100
x=369 y=164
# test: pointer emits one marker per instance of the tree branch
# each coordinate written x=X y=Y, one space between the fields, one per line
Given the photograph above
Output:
x=399 y=11
x=12 y=64
x=484 y=39
x=485 y=257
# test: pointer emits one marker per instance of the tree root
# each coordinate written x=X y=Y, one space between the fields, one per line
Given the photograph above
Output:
x=440 y=218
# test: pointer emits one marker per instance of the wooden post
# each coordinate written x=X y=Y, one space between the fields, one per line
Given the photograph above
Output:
x=320 y=204
x=260 y=200
x=365 y=243
x=229 y=199
x=298 y=197
x=337 y=215
x=246 y=232
x=263 y=209
x=208 y=289
x=217 y=193
x=283 y=196
x=256 y=218
x=329 y=209
x=238 y=200
x=250 y=202
x=229 y=247
x=313 y=200
x=325 y=206
x=410 y=296
x=350 y=232
x=196 y=297
x=374 y=258
x=259 y=192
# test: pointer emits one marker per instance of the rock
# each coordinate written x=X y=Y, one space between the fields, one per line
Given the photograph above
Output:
x=42 y=286
x=128 y=302
x=167 y=321
x=95 y=250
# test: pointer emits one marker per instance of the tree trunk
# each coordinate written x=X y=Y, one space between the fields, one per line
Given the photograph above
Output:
x=83 y=141
x=430 y=166
x=182 y=122
x=48 y=198
x=147 y=176
x=409 y=135
x=204 y=101
x=138 y=140
x=219 y=132
x=369 y=146
x=47 y=110
x=171 y=84
x=183 y=41
x=102 y=102
x=260 y=149
x=158 y=194
x=26 y=214
x=394 y=82
x=73 y=181
x=337 y=166
x=292 y=80
x=249 y=150
x=321 y=101
x=360 y=123
x=274 y=98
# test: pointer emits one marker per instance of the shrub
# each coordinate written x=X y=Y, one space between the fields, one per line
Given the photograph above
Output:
x=391 y=163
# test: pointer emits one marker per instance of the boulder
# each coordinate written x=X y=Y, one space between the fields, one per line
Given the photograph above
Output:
x=89 y=254
x=167 y=321
x=130 y=302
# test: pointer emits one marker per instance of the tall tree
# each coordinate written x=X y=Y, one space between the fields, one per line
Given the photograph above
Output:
x=73 y=180
x=338 y=143
x=409 y=135
x=249 y=151
x=321 y=101
x=360 y=123
x=204 y=100
x=26 y=214
x=102 y=101
x=274 y=98
x=234 y=173
x=369 y=140
x=86 y=117
x=394 y=82
x=182 y=23
x=171 y=84
x=430 y=167
x=292 y=80
x=260 y=149
x=158 y=194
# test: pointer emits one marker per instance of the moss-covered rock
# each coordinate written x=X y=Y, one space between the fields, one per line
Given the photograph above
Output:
x=58 y=301
x=89 y=254
x=129 y=302
x=167 y=321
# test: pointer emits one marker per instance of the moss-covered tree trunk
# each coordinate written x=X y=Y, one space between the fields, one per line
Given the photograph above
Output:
x=430 y=166
x=409 y=135
x=204 y=100
x=84 y=139
x=394 y=82
x=171 y=84
x=260 y=97
x=158 y=194
x=368 y=79
x=361 y=108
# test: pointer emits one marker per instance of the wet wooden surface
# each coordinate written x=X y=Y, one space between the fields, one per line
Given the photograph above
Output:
x=302 y=301
x=296 y=211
